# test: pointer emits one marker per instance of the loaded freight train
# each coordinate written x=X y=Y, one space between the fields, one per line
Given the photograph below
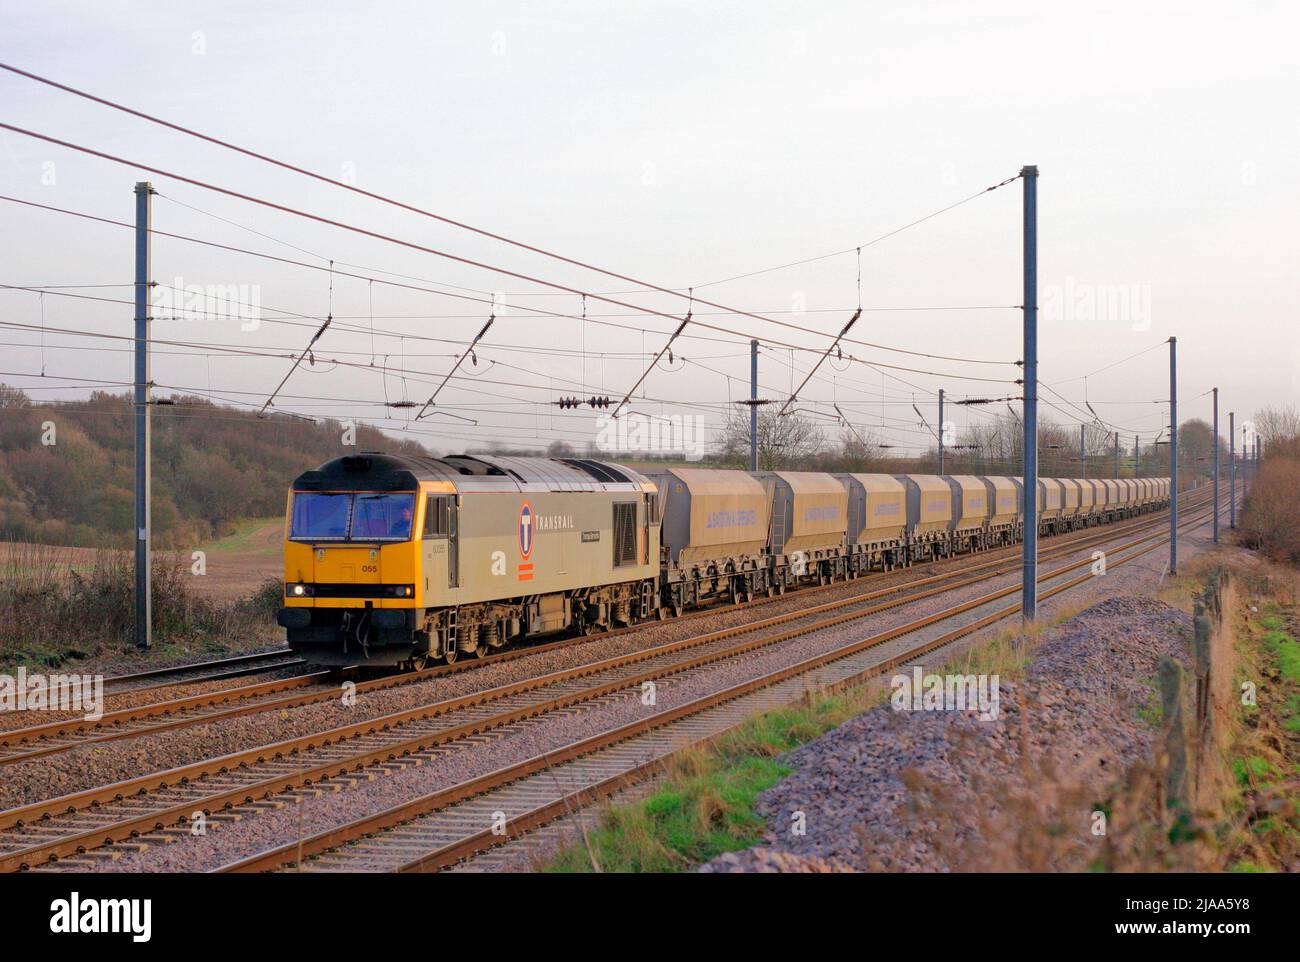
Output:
x=397 y=561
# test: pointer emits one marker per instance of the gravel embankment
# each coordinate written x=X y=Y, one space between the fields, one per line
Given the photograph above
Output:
x=943 y=790
x=1133 y=579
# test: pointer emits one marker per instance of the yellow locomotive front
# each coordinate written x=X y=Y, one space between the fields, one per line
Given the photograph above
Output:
x=395 y=560
x=352 y=562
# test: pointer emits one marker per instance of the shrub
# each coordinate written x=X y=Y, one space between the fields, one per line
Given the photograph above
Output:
x=82 y=600
x=1270 y=519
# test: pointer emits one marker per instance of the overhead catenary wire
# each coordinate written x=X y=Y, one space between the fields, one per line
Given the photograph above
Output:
x=305 y=351
x=795 y=393
x=456 y=367
x=859 y=247
x=412 y=208
x=929 y=373
x=739 y=336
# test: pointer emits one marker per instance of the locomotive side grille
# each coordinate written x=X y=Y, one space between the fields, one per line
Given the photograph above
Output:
x=624 y=533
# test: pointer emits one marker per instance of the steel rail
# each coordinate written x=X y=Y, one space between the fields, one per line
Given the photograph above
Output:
x=229 y=662
x=297 y=700
x=122 y=720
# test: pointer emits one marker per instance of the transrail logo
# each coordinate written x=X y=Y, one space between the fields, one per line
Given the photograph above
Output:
x=525 y=530
x=77 y=916
x=36 y=692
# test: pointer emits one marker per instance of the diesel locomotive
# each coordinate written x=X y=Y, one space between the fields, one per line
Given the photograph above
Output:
x=398 y=561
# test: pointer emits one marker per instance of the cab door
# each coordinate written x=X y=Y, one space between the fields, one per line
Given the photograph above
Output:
x=441 y=527
x=453 y=542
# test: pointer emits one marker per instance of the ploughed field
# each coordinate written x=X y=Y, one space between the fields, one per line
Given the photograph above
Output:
x=236 y=566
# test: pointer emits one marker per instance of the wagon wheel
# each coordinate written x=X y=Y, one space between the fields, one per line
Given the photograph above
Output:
x=419 y=662
x=450 y=656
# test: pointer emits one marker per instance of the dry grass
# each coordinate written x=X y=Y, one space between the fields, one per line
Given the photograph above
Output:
x=704 y=804
x=60 y=605
x=1270 y=517
x=1241 y=813
x=1008 y=652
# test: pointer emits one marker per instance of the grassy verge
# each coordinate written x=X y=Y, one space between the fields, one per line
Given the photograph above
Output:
x=1264 y=796
x=705 y=804
x=245 y=536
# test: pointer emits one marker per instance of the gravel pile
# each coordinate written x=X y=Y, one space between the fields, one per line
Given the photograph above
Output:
x=773 y=860
x=943 y=790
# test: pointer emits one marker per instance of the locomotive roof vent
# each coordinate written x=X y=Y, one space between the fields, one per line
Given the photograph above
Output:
x=597 y=469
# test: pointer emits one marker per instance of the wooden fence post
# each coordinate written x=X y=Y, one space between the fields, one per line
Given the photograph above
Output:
x=1170 y=674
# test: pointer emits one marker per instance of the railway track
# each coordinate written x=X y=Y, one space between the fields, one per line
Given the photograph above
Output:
x=24 y=744
x=37 y=833
x=443 y=828
x=217 y=669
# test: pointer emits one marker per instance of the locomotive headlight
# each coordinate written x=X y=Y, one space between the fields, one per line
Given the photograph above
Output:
x=299 y=590
x=400 y=591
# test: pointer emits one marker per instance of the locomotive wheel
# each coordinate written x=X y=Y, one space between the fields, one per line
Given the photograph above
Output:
x=450 y=656
x=481 y=651
x=419 y=662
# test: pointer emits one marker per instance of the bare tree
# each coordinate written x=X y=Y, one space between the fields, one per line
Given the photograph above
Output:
x=788 y=441
x=1278 y=423
x=12 y=397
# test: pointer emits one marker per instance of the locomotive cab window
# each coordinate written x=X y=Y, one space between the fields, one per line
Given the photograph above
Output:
x=320 y=517
x=436 y=517
x=624 y=533
x=355 y=516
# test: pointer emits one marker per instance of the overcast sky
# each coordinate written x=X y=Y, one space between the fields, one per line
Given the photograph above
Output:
x=680 y=144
